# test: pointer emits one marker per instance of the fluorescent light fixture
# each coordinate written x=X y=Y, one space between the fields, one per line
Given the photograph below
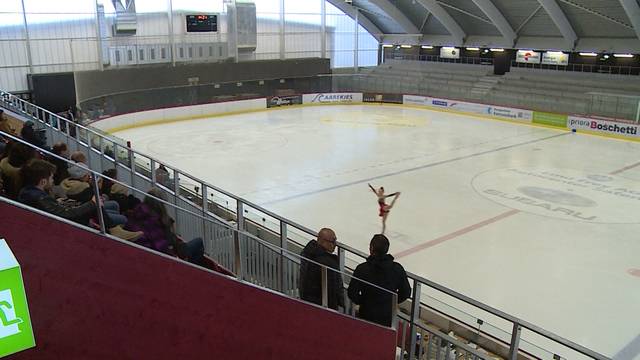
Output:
x=427 y=47
x=449 y=48
x=623 y=55
x=405 y=46
x=497 y=50
x=387 y=45
x=590 y=54
x=555 y=53
x=473 y=49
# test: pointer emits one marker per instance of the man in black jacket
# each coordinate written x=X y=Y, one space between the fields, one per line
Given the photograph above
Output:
x=38 y=181
x=321 y=251
x=381 y=270
x=37 y=176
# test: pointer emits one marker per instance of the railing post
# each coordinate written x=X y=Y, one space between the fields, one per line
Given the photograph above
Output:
x=152 y=165
x=132 y=166
x=282 y=274
x=205 y=209
x=236 y=239
x=415 y=316
x=96 y=193
x=394 y=312
x=515 y=341
x=324 y=286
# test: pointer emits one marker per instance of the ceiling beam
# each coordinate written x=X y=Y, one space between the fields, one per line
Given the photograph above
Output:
x=445 y=19
x=362 y=19
x=560 y=19
x=396 y=15
x=498 y=20
x=633 y=12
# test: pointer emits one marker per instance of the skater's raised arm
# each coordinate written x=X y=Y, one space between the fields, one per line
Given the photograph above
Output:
x=372 y=189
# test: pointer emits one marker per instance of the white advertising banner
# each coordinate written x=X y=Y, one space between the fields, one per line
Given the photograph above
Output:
x=450 y=53
x=555 y=58
x=528 y=57
x=603 y=126
x=511 y=113
x=415 y=100
x=520 y=115
x=328 y=98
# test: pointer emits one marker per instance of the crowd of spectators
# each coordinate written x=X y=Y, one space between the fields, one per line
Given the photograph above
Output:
x=62 y=184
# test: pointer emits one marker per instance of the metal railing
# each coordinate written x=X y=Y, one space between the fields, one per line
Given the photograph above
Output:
x=590 y=68
x=251 y=259
x=391 y=55
x=188 y=193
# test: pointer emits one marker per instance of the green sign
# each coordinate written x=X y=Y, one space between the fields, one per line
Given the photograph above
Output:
x=550 y=119
x=16 y=333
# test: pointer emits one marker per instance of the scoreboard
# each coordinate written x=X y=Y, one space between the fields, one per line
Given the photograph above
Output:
x=202 y=23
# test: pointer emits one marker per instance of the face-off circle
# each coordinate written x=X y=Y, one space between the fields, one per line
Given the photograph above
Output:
x=563 y=194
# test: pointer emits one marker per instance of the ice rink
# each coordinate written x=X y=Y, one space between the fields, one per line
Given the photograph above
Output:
x=540 y=223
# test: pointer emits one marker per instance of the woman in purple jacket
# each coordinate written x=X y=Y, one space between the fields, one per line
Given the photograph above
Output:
x=150 y=216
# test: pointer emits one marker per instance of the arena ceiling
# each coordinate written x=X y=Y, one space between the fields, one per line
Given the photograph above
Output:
x=578 y=25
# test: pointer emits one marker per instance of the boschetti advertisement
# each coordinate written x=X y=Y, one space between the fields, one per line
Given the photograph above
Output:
x=603 y=126
x=555 y=58
x=327 y=98
x=450 y=53
x=511 y=113
x=528 y=57
x=277 y=101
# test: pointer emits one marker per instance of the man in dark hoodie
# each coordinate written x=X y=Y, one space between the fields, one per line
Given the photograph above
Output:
x=381 y=270
x=321 y=251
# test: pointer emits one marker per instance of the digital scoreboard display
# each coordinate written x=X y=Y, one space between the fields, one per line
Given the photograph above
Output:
x=202 y=23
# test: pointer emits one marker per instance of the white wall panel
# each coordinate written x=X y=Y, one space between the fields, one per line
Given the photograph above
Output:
x=13 y=53
x=14 y=79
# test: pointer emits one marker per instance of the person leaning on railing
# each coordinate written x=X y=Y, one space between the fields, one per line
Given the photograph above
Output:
x=381 y=270
x=321 y=251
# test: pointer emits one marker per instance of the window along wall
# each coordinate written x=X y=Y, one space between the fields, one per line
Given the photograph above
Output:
x=44 y=36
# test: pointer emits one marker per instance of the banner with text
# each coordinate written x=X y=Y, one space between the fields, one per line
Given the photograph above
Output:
x=603 y=127
x=474 y=108
x=555 y=58
x=527 y=56
x=329 y=98
x=511 y=113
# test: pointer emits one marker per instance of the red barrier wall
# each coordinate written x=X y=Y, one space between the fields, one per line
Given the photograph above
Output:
x=95 y=298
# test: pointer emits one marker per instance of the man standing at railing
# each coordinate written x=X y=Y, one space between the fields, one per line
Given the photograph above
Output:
x=321 y=251
x=381 y=270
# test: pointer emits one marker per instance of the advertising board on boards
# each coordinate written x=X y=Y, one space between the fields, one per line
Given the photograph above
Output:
x=327 y=98
x=277 y=101
x=603 y=126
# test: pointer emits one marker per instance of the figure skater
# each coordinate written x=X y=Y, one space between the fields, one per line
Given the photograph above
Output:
x=384 y=208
